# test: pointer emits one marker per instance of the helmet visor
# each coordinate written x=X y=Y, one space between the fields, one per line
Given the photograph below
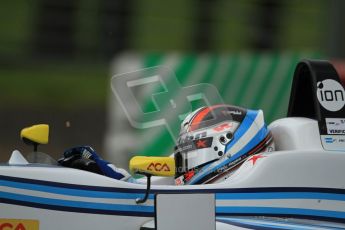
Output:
x=211 y=116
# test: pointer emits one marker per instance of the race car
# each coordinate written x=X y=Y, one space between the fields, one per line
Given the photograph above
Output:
x=298 y=186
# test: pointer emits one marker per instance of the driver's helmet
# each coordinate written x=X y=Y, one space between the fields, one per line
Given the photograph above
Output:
x=216 y=140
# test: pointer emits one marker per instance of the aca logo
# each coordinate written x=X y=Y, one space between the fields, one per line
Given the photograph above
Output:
x=18 y=224
x=331 y=95
x=158 y=167
x=9 y=226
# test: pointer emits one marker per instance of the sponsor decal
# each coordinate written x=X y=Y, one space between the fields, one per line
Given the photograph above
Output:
x=335 y=125
x=329 y=140
x=19 y=224
x=196 y=144
x=179 y=180
x=269 y=149
x=201 y=144
x=333 y=142
x=331 y=95
x=336 y=131
x=236 y=112
x=193 y=137
x=189 y=175
x=255 y=158
x=185 y=148
x=222 y=127
x=158 y=167
x=232 y=112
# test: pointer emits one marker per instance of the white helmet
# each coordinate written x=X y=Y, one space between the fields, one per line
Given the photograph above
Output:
x=215 y=140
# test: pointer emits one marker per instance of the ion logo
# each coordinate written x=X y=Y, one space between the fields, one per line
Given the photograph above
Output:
x=331 y=95
x=158 y=167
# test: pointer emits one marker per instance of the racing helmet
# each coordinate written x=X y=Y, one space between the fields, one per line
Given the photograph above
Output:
x=215 y=140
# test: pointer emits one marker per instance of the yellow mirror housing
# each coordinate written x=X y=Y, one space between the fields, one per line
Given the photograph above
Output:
x=38 y=134
x=155 y=166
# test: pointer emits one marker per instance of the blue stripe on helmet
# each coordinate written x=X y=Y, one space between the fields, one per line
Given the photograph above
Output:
x=247 y=122
x=255 y=141
x=244 y=127
x=262 y=133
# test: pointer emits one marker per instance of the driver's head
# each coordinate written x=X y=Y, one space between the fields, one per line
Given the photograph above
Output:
x=215 y=140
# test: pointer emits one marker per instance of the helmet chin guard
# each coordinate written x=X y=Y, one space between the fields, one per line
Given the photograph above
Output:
x=215 y=140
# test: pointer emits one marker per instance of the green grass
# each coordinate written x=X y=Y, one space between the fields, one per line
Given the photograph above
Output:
x=59 y=85
x=16 y=27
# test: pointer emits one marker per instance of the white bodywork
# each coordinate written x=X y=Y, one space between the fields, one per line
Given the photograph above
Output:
x=300 y=178
x=296 y=134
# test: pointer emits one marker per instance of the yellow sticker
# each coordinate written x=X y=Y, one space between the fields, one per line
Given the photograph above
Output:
x=156 y=166
x=19 y=224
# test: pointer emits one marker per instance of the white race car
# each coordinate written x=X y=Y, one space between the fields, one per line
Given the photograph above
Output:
x=301 y=185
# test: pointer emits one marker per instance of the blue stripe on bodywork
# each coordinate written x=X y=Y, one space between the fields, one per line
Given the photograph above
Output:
x=270 y=223
x=198 y=188
x=75 y=209
x=81 y=206
x=70 y=186
x=138 y=210
x=280 y=195
x=221 y=196
x=72 y=192
x=273 y=210
x=76 y=204
x=258 y=226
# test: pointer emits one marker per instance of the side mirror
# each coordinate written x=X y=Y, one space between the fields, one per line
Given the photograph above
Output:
x=154 y=166
x=151 y=166
x=35 y=135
